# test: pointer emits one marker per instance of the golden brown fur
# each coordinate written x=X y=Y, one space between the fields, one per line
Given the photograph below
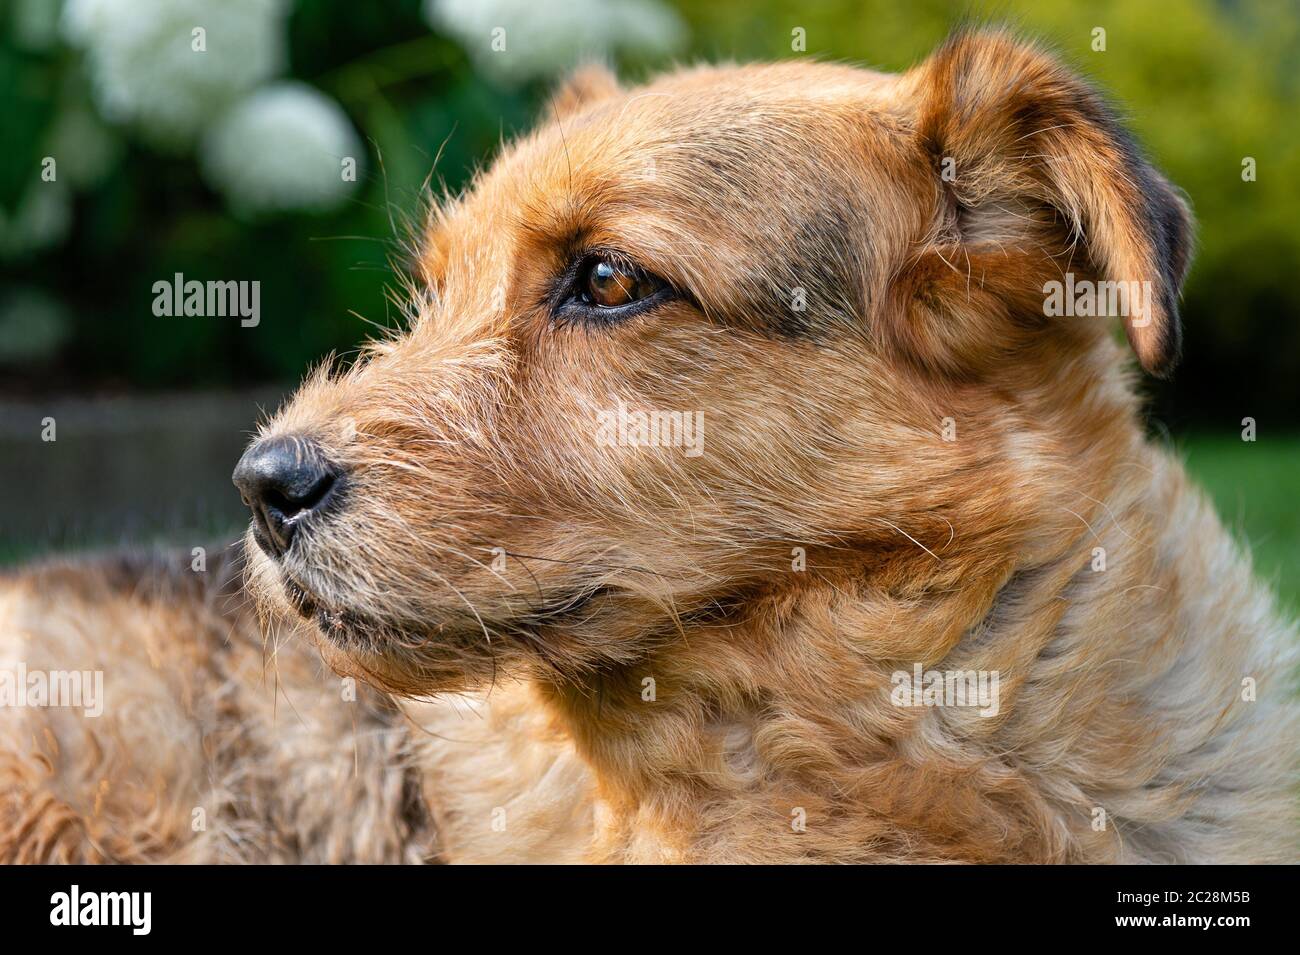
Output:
x=213 y=746
x=947 y=459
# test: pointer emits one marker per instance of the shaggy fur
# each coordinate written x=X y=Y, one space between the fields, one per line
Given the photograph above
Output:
x=630 y=654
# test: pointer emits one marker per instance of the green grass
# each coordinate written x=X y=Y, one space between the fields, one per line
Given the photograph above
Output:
x=1256 y=489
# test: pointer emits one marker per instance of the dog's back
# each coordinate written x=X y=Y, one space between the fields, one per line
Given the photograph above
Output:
x=202 y=743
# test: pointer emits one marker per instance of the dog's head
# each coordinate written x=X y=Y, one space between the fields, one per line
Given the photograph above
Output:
x=706 y=338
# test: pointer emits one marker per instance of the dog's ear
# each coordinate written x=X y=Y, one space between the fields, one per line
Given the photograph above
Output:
x=1033 y=169
x=584 y=86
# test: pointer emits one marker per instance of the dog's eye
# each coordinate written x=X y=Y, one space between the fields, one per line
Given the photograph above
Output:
x=608 y=284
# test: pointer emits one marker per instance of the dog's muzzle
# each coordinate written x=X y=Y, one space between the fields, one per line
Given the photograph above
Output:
x=284 y=481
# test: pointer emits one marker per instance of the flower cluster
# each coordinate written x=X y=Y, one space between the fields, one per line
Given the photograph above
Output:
x=517 y=40
x=287 y=146
x=187 y=72
x=167 y=67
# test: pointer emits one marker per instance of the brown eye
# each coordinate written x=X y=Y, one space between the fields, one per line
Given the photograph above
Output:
x=609 y=285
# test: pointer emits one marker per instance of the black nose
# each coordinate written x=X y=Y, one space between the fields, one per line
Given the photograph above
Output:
x=283 y=480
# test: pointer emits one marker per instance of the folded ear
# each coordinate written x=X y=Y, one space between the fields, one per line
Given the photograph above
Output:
x=586 y=85
x=1033 y=168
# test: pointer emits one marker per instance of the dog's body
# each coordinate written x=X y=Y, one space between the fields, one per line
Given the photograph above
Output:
x=706 y=658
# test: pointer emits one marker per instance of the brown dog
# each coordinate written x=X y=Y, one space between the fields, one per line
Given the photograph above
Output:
x=743 y=497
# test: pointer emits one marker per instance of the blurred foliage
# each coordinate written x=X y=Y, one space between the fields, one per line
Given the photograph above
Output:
x=1204 y=83
x=404 y=87
x=1257 y=501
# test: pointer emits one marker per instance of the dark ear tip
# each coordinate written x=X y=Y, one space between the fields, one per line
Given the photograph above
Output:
x=1158 y=343
x=1164 y=371
x=1161 y=360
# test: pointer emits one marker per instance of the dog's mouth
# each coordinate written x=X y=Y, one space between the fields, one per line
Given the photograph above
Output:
x=339 y=624
x=348 y=628
x=565 y=633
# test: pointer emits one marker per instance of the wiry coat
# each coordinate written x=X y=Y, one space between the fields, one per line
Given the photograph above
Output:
x=639 y=655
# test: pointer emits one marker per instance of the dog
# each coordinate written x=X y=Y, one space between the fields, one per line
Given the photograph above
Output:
x=735 y=495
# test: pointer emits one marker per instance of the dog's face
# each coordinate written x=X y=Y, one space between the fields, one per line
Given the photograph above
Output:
x=688 y=341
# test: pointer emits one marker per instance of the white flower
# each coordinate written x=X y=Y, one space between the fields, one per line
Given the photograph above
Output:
x=285 y=147
x=515 y=40
x=169 y=66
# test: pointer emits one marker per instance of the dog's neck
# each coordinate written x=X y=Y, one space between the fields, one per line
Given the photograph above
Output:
x=786 y=714
x=790 y=715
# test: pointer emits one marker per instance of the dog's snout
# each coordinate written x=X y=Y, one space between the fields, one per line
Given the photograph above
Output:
x=283 y=480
